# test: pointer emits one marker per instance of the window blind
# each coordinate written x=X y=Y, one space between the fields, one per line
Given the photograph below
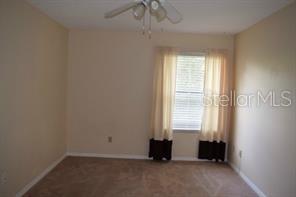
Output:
x=189 y=93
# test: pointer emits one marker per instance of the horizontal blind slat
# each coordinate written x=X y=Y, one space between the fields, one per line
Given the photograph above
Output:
x=189 y=92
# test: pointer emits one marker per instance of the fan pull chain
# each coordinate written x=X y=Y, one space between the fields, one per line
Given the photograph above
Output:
x=150 y=32
x=143 y=26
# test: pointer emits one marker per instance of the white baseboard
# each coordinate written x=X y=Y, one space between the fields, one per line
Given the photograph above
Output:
x=112 y=156
x=39 y=177
x=187 y=159
x=127 y=156
x=248 y=181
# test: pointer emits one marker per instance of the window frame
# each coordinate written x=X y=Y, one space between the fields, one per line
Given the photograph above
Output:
x=188 y=131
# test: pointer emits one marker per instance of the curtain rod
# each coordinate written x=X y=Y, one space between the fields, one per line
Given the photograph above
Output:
x=196 y=50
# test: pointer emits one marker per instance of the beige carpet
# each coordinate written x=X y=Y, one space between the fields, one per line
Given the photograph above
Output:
x=95 y=177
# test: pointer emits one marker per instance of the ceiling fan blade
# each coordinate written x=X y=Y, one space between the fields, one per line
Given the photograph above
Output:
x=173 y=15
x=121 y=9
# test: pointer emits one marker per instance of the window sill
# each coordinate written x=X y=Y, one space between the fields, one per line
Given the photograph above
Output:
x=186 y=131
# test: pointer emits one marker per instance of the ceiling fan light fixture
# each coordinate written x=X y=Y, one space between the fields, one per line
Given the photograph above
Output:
x=154 y=7
x=159 y=9
x=161 y=14
x=139 y=11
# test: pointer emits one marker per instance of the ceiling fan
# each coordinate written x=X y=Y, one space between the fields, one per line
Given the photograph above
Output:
x=160 y=9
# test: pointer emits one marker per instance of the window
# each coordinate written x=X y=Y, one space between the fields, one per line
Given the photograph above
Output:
x=189 y=93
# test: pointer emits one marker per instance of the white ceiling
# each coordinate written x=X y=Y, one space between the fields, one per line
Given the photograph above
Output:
x=200 y=16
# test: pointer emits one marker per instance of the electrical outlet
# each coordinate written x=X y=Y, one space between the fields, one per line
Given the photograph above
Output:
x=110 y=139
x=240 y=154
x=3 y=179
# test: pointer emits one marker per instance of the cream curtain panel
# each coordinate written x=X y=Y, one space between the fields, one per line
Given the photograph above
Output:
x=164 y=94
x=215 y=122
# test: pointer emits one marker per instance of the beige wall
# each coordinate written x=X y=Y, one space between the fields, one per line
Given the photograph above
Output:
x=33 y=58
x=266 y=60
x=110 y=89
